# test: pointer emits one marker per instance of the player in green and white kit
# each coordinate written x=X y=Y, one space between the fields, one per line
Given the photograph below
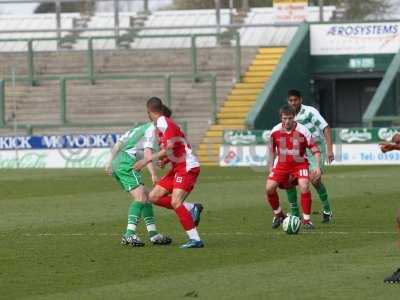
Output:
x=319 y=128
x=120 y=164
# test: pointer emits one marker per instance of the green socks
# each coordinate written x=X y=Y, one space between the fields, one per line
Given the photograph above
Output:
x=323 y=195
x=292 y=197
x=149 y=220
x=134 y=213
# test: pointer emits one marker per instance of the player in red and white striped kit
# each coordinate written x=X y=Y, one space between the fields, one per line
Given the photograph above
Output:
x=176 y=185
x=289 y=141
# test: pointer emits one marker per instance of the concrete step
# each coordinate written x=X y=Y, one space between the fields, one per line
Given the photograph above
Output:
x=217 y=127
x=276 y=50
x=207 y=146
x=231 y=122
x=216 y=133
x=275 y=56
x=212 y=140
x=254 y=92
x=233 y=110
x=267 y=63
x=261 y=79
x=239 y=103
x=264 y=74
x=241 y=98
x=232 y=115
x=247 y=85
x=263 y=68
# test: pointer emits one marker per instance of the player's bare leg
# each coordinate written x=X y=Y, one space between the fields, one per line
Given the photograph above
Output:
x=161 y=197
x=273 y=200
x=305 y=199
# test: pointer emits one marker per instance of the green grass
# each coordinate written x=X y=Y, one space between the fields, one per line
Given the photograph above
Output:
x=60 y=231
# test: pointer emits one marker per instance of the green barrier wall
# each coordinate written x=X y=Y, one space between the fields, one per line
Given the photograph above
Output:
x=293 y=72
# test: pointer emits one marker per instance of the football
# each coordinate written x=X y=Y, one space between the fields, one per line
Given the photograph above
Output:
x=291 y=224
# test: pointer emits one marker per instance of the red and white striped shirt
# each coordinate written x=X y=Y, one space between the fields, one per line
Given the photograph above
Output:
x=182 y=156
x=290 y=146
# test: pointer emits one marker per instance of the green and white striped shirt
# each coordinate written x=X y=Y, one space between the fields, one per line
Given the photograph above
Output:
x=138 y=138
x=311 y=118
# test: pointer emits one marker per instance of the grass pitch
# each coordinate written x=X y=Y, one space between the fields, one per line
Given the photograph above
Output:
x=60 y=233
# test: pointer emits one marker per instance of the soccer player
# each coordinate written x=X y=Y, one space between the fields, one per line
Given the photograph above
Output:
x=288 y=144
x=321 y=132
x=386 y=147
x=120 y=164
x=176 y=185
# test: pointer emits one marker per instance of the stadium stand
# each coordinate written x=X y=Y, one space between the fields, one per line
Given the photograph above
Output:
x=110 y=101
x=113 y=101
x=32 y=22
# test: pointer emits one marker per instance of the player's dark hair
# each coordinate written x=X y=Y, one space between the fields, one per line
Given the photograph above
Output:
x=166 y=111
x=294 y=93
x=154 y=104
x=287 y=110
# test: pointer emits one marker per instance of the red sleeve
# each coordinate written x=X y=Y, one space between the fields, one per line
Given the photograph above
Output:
x=170 y=133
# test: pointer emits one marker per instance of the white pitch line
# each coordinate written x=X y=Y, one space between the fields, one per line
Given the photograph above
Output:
x=211 y=233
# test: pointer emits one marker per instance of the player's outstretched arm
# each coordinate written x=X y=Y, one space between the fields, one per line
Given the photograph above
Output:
x=147 y=156
x=317 y=170
x=329 y=145
x=139 y=165
x=114 y=151
x=386 y=147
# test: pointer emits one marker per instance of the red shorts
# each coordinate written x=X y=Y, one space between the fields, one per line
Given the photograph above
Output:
x=179 y=179
x=282 y=175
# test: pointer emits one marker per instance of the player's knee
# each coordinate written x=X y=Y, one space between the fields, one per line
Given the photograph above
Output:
x=316 y=182
x=304 y=187
x=153 y=197
x=176 y=202
x=270 y=189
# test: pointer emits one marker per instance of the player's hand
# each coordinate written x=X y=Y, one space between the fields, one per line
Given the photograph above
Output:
x=317 y=173
x=108 y=169
x=386 y=147
x=154 y=179
x=139 y=165
x=161 y=163
x=330 y=156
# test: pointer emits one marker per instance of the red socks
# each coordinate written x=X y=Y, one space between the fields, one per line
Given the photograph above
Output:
x=306 y=203
x=164 y=201
x=273 y=200
x=183 y=214
x=185 y=217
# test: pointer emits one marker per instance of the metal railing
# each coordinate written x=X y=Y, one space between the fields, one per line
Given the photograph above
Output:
x=63 y=96
x=32 y=78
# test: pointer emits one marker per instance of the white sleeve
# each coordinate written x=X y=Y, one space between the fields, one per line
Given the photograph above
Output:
x=125 y=137
x=318 y=120
x=149 y=137
x=305 y=132
x=162 y=124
